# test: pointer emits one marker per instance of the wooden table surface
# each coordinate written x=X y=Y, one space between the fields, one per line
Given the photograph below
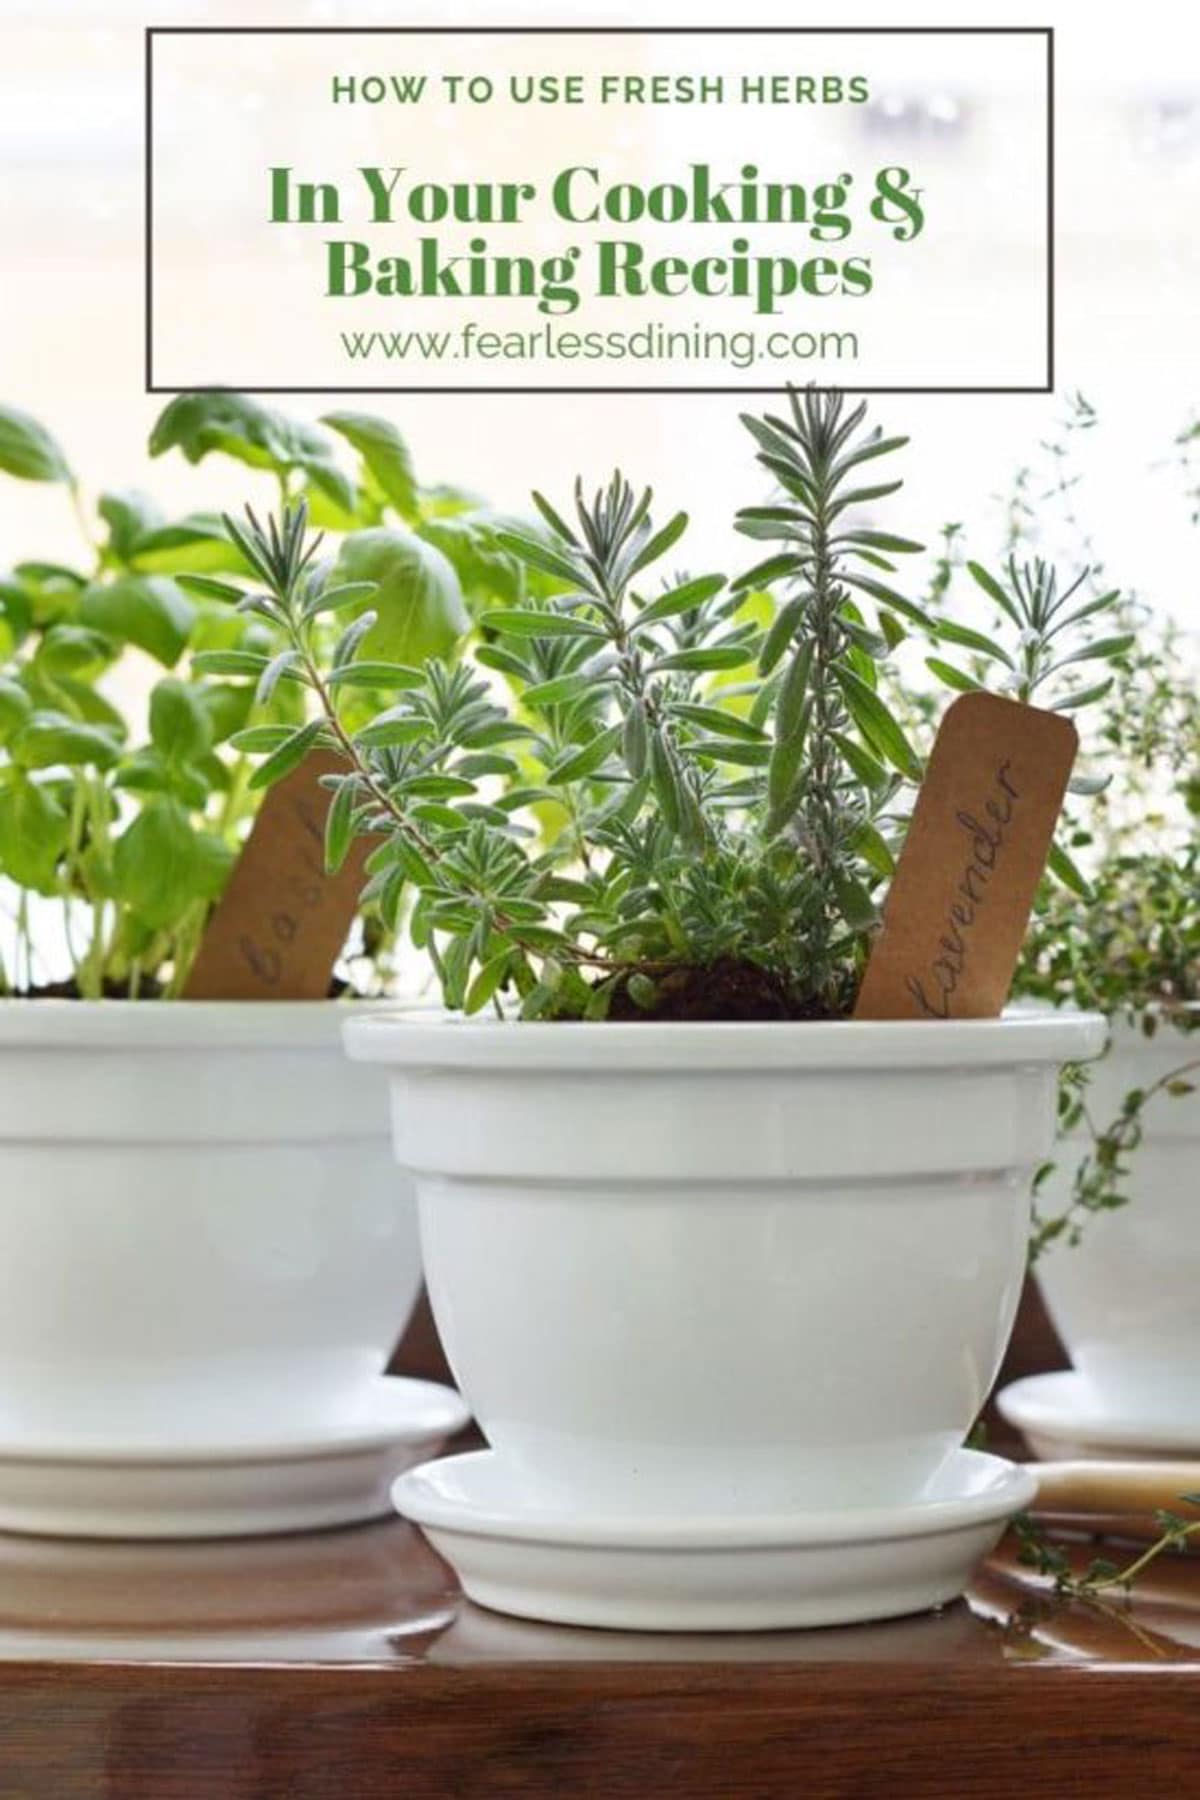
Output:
x=345 y=1666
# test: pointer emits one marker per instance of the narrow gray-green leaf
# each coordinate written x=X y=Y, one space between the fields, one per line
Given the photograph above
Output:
x=533 y=624
x=715 y=719
x=339 y=826
x=375 y=675
x=583 y=762
x=680 y=599
x=658 y=545
x=289 y=755
x=881 y=730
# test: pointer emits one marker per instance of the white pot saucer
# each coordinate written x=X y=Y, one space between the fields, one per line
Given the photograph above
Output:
x=334 y=1474
x=1061 y=1415
x=709 y=1574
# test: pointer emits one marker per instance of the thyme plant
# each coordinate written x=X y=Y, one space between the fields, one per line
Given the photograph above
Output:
x=681 y=808
x=1134 y=953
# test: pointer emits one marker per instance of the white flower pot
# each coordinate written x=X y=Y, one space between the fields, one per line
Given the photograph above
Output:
x=1126 y=1298
x=727 y=1267
x=202 y=1235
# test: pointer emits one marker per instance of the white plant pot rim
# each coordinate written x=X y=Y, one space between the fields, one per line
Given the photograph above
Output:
x=449 y=1041
x=1163 y=1010
x=173 y=1024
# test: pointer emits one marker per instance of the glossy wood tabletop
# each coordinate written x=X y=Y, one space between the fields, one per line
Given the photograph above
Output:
x=346 y=1666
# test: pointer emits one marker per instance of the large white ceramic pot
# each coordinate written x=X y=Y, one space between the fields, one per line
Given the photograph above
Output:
x=1126 y=1298
x=202 y=1235
x=726 y=1267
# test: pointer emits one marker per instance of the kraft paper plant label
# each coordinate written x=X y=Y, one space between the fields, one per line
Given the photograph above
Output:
x=280 y=926
x=960 y=899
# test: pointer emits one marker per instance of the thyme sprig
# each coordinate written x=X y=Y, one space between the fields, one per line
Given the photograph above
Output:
x=1100 y=1575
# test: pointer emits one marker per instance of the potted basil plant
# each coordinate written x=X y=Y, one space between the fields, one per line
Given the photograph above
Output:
x=205 y=1259
x=724 y=1273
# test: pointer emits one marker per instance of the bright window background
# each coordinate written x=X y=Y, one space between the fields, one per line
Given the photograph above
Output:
x=1128 y=296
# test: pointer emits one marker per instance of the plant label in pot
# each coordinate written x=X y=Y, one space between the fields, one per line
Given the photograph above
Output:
x=282 y=922
x=959 y=902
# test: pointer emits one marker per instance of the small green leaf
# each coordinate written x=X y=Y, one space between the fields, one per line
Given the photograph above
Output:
x=562 y=689
x=642 y=991
x=763 y=574
x=658 y=545
x=994 y=591
x=417 y=596
x=535 y=624
x=714 y=719
x=335 y=599
x=1102 y=649
x=868 y=769
x=258 y=740
x=728 y=750
x=147 y=610
x=288 y=756
x=883 y=540
x=635 y=740
x=285 y=665
x=128 y=515
x=50 y=738
x=208 y=587
x=680 y=600
x=229 y=662
x=664 y=777
x=194 y=546
x=347 y=647
x=390 y=732
x=488 y=979
x=1083 y=697
x=386 y=455
x=180 y=728
x=27 y=450
x=878 y=727
x=34 y=832
x=856 y=905
x=954 y=678
x=554 y=521
x=792 y=691
x=714 y=656
x=780 y=634
x=15 y=707
x=783 y=774
x=157 y=863
x=539 y=556
x=375 y=675
x=1068 y=872
x=339 y=826
x=946 y=631
x=580 y=763
x=1089 y=785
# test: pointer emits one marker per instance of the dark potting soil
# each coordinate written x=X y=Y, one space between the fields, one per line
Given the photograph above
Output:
x=111 y=990
x=724 y=990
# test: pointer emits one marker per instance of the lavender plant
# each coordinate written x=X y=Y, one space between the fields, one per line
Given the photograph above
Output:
x=672 y=812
